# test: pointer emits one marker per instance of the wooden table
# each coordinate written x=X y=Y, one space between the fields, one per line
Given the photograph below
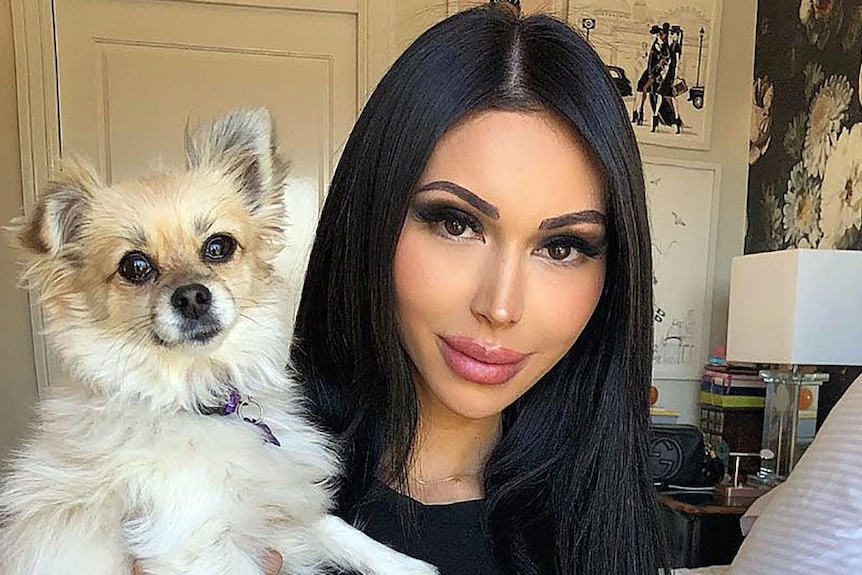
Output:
x=700 y=533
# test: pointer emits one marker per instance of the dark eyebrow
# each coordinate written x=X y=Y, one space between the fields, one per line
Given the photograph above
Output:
x=488 y=209
x=584 y=217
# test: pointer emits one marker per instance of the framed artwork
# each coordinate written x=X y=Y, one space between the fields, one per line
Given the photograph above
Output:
x=662 y=56
x=683 y=209
x=556 y=7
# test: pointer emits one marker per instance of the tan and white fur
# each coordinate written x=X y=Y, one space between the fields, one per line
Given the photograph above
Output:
x=152 y=322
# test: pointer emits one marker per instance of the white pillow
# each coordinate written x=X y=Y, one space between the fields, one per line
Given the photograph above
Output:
x=746 y=522
x=813 y=525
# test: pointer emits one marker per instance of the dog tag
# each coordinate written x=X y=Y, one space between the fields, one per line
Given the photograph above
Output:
x=267 y=432
x=257 y=421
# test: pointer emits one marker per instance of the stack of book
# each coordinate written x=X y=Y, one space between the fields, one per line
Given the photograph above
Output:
x=731 y=405
x=732 y=387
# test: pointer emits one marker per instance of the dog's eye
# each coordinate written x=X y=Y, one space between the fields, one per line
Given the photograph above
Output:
x=218 y=248
x=136 y=267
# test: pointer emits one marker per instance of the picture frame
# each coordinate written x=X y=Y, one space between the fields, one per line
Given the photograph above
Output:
x=556 y=7
x=683 y=208
x=678 y=76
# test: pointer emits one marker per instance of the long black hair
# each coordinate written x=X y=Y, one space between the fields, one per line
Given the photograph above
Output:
x=567 y=488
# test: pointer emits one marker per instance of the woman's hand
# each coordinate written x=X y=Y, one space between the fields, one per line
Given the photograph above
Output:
x=271 y=564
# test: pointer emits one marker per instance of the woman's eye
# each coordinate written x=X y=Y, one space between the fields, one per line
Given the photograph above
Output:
x=448 y=221
x=136 y=267
x=454 y=227
x=456 y=224
x=559 y=251
x=218 y=248
x=569 y=250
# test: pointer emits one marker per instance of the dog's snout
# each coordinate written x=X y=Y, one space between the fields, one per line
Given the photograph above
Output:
x=192 y=300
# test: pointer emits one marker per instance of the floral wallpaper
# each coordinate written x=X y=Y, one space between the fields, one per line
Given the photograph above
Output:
x=805 y=145
x=805 y=148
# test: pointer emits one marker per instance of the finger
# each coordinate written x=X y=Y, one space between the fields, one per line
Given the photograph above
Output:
x=272 y=562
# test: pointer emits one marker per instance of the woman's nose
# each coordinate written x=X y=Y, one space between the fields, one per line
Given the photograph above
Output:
x=499 y=297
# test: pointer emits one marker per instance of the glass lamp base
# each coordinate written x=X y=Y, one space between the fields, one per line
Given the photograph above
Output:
x=781 y=422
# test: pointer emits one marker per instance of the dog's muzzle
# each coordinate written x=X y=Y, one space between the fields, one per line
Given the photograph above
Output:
x=192 y=301
x=193 y=304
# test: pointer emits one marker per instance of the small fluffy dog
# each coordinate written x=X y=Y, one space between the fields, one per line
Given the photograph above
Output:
x=180 y=440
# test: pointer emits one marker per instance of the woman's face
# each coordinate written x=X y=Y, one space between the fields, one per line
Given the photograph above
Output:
x=500 y=262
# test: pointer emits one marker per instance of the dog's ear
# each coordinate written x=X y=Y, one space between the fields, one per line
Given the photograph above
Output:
x=243 y=144
x=61 y=212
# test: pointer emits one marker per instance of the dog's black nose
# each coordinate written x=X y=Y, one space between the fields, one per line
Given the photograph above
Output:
x=192 y=300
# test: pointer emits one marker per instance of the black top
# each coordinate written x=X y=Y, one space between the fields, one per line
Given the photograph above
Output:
x=450 y=537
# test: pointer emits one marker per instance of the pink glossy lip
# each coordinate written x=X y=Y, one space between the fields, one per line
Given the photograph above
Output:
x=479 y=362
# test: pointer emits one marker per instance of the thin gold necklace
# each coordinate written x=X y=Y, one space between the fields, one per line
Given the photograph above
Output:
x=456 y=478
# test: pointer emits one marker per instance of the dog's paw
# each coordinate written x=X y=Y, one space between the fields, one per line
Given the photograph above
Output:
x=398 y=564
x=351 y=549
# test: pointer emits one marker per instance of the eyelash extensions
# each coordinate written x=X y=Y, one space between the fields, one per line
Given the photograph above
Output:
x=438 y=214
x=573 y=243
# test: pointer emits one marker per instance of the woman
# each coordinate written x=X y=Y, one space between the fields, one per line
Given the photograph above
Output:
x=657 y=64
x=667 y=111
x=475 y=324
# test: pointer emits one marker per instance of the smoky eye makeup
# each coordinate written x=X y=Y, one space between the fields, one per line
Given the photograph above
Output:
x=445 y=217
x=559 y=247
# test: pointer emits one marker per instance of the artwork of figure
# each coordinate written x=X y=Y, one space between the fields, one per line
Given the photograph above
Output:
x=659 y=79
x=668 y=48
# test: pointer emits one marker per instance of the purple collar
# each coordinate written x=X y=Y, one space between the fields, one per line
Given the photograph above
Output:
x=235 y=404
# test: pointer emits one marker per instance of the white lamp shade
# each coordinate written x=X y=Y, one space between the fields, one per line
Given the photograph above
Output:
x=800 y=307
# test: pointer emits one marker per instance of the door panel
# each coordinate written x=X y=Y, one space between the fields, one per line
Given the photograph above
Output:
x=143 y=107
x=131 y=73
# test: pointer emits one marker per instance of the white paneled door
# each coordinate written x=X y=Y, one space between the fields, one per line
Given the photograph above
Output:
x=132 y=72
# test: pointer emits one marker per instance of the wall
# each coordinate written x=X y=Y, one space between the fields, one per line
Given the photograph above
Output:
x=17 y=369
x=805 y=179
x=729 y=150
